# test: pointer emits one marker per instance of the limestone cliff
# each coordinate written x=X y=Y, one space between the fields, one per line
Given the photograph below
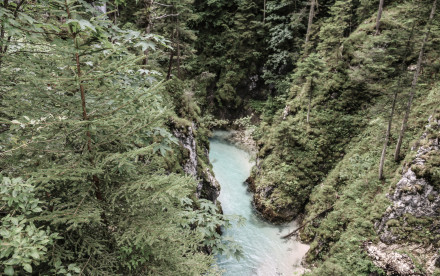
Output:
x=195 y=162
x=409 y=228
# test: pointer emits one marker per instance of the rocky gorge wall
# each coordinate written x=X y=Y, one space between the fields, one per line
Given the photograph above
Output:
x=195 y=162
x=409 y=230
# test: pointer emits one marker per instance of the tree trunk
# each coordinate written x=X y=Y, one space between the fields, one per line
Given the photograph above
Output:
x=149 y=6
x=170 y=66
x=2 y=34
x=116 y=13
x=264 y=11
x=310 y=101
x=85 y=116
x=309 y=25
x=387 y=136
x=413 y=85
x=393 y=105
x=178 y=48
x=379 y=16
x=4 y=49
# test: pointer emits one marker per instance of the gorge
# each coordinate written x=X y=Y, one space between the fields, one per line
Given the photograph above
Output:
x=111 y=162
x=264 y=251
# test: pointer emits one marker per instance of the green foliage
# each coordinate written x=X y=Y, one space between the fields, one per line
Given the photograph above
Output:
x=86 y=121
x=285 y=22
x=331 y=163
x=87 y=128
x=23 y=243
x=229 y=46
x=336 y=27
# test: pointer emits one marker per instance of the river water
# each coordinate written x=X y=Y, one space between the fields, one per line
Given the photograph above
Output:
x=265 y=253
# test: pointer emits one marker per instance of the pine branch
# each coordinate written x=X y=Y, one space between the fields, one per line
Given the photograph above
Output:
x=163 y=5
x=165 y=16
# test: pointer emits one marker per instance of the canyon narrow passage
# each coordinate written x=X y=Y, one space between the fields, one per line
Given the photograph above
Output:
x=265 y=253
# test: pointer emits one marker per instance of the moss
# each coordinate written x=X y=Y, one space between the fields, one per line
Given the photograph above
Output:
x=360 y=200
x=430 y=170
x=419 y=230
x=181 y=123
x=419 y=188
x=393 y=223
x=333 y=159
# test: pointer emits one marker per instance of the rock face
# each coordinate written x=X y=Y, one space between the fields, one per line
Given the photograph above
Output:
x=385 y=257
x=275 y=214
x=413 y=195
x=189 y=142
x=392 y=259
x=280 y=214
x=286 y=112
x=208 y=187
x=243 y=139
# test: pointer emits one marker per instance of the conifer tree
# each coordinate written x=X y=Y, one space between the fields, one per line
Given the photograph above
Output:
x=393 y=103
x=309 y=71
x=310 y=21
x=414 y=83
x=336 y=27
x=379 y=16
x=229 y=45
x=284 y=40
x=87 y=127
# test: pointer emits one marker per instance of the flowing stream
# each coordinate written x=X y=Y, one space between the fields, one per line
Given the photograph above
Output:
x=265 y=253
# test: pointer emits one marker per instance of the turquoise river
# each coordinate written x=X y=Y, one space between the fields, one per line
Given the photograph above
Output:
x=265 y=253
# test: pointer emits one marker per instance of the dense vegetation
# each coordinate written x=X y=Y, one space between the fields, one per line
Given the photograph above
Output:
x=98 y=100
x=92 y=176
x=321 y=147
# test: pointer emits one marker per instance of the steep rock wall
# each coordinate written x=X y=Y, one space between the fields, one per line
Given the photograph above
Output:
x=410 y=223
x=208 y=187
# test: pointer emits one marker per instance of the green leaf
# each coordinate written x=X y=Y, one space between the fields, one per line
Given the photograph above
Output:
x=146 y=45
x=83 y=24
x=28 y=268
x=9 y=270
x=34 y=254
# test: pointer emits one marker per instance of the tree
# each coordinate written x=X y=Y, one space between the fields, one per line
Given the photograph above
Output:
x=379 y=16
x=149 y=24
x=229 y=45
x=394 y=101
x=310 y=21
x=87 y=126
x=10 y=13
x=309 y=70
x=23 y=243
x=284 y=42
x=414 y=83
x=336 y=27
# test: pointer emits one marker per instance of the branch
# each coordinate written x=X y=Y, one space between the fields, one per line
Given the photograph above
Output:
x=18 y=7
x=15 y=16
x=294 y=232
x=163 y=5
x=2 y=27
x=84 y=267
x=129 y=102
x=165 y=16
